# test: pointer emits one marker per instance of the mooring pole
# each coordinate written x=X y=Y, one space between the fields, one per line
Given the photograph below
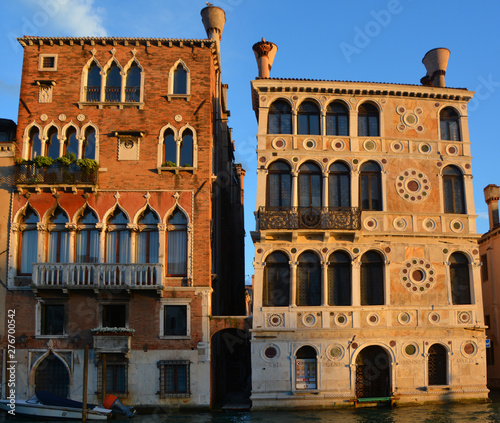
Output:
x=85 y=377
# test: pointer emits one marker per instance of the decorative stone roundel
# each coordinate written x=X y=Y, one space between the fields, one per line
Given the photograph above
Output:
x=417 y=275
x=413 y=185
x=276 y=320
x=278 y=144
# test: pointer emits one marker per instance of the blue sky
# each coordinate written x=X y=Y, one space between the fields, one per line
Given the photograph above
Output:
x=380 y=41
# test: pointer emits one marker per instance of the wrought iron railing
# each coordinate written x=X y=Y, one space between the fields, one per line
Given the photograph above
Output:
x=112 y=94
x=28 y=173
x=132 y=94
x=97 y=275
x=309 y=218
x=93 y=94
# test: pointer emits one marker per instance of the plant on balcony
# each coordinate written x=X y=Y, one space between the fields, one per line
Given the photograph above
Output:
x=87 y=164
x=107 y=331
x=169 y=164
x=20 y=161
x=187 y=165
x=63 y=161
x=43 y=161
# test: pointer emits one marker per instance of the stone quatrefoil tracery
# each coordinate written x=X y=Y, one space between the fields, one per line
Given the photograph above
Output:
x=413 y=185
x=418 y=275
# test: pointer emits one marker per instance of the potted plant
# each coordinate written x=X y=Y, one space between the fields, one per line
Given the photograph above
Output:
x=42 y=163
x=108 y=331
x=168 y=164
x=88 y=168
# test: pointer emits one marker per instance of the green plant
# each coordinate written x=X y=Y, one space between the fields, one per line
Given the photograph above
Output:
x=43 y=161
x=187 y=165
x=63 y=161
x=169 y=164
x=19 y=160
x=87 y=164
x=71 y=156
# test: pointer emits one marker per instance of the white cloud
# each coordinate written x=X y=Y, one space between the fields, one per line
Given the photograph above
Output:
x=76 y=18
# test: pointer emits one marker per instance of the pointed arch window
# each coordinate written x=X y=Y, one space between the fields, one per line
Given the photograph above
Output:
x=279 y=185
x=370 y=187
x=71 y=144
x=177 y=244
x=279 y=118
x=339 y=185
x=180 y=80
x=276 y=280
x=93 y=88
x=186 y=149
x=450 y=124
x=148 y=244
x=460 y=279
x=309 y=119
x=453 y=188
x=112 y=92
x=52 y=376
x=308 y=280
x=169 y=148
x=372 y=279
x=87 y=238
x=58 y=248
x=28 y=245
x=337 y=119
x=310 y=185
x=89 y=144
x=368 y=121
x=52 y=146
x=118 y=238
x=133 y=84
x=34 y=143
x=339 y=279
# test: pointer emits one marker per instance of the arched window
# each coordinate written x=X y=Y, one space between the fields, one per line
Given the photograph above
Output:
x=339 y=279
x=71 y=143
x=279 y=185
x=177 y=244
x=370 y=190
x=310 y=185
x=148 y=244
x=459 y=279
x=372 y=279
x=309 y=119
x=339 y=185
x=133 y=84
x=89 y=144
x=308 y=280
x=52 y=376
x=35 y=144
x=450 y=124
x=58 y=237
x=186 y=147
x=112 y=92
x=279 y=118
x=276 y=280
x=306 y=368
x=337 y=119
x=169 y=148
x=368 y=121
x=87 y=238
x=437 y=365
x=180 y=80
x=93 y=88
x=52 y=146
x=118 y=238
x=453 y=187
x=28 y=245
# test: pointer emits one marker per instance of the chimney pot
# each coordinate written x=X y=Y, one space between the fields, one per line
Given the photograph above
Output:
x=213 y=19
x=264 y=53
x=491 y=196
x=435 y=61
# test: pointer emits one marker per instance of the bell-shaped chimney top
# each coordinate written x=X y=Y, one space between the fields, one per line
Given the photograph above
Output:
x=264 y=53
x=213 y=19
x=435 y=62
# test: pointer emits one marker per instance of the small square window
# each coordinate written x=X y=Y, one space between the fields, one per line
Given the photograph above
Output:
x=47 y=62
x=52 y=319
x=174 y=378
x=175 y=320
x=114 y=315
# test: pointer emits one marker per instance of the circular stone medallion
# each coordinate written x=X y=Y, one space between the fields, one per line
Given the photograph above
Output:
x=417 y=275
x=413 y=185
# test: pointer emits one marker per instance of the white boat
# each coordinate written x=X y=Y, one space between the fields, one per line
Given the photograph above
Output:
x=34 y=407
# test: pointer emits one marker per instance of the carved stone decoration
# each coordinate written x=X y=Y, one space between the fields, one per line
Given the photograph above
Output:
x=80 y=117
x=418 y=275
x=413 y=185
x=62 y=117
x=275 y=320
x=45 y=94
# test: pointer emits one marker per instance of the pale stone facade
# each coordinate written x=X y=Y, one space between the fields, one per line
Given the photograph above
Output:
x=367 y=271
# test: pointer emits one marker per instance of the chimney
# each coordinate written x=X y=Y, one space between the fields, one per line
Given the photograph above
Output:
x=264 y=53
x=491 y=195
x=213 y=19
x=435 y=62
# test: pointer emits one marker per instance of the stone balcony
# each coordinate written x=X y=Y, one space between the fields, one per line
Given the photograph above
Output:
x=108 y=341
x=97 y=276
x=28 y=174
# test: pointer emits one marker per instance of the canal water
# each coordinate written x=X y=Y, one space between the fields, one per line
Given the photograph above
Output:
x=447 y=413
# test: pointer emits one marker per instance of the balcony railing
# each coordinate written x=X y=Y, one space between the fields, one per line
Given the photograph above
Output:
x=309 y=218
x=28 y=174
x=97 y=275
x=93 y=94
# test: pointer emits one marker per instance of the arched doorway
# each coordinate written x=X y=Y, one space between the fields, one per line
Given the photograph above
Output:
x=52 y=375
x=231 y=369
x=306 y=368
x=373 y=379
x=437 y=365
